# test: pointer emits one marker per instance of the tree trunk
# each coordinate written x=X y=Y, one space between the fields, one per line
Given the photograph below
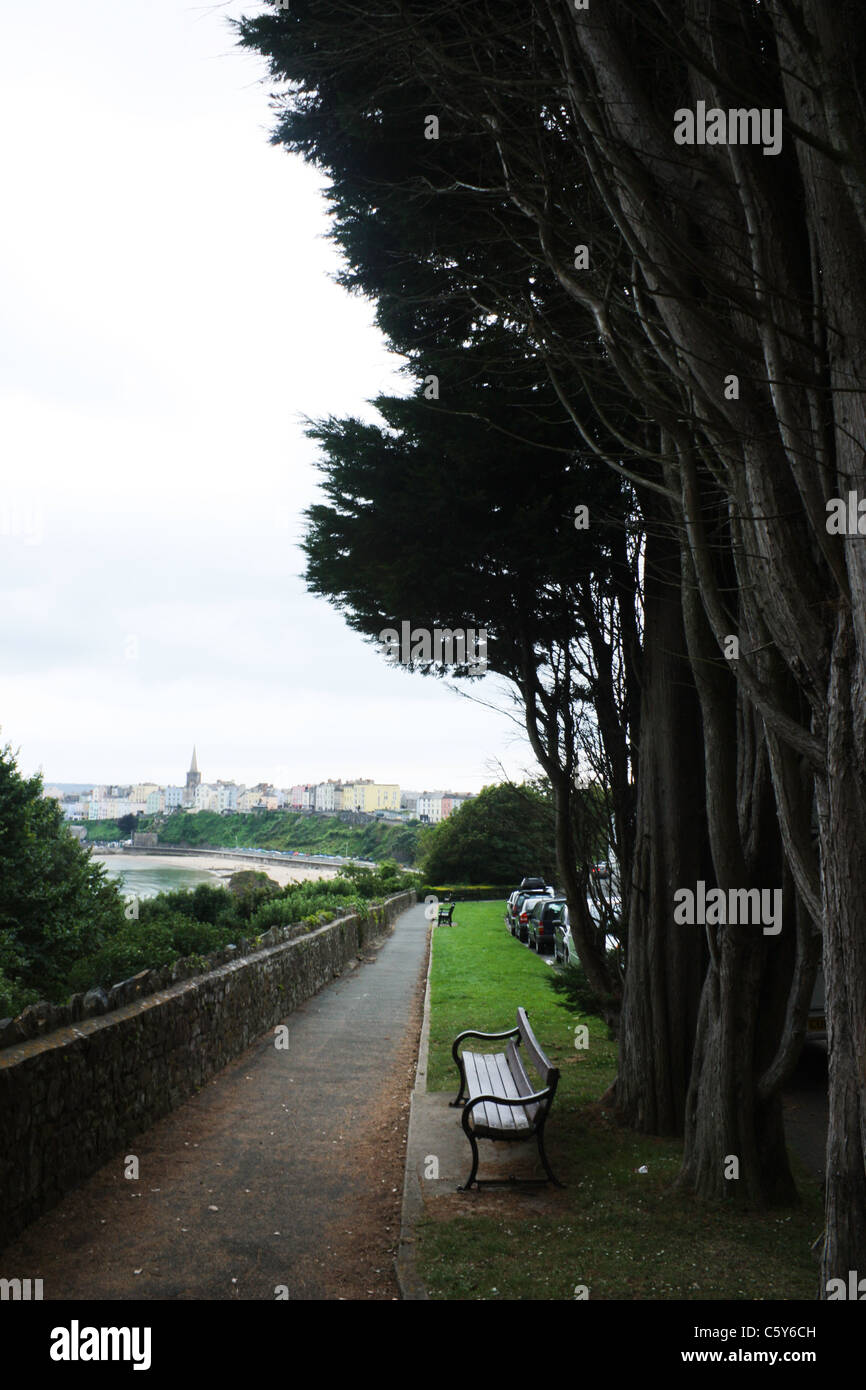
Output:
x=842 y=827
x=665 y=962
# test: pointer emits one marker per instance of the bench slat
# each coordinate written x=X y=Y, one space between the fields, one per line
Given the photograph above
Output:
x=485 y=1079
x=521 y=1081
x=517 y=1084
x=490 y=1075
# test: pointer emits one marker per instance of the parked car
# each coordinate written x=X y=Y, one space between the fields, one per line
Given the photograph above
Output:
x=510 y=909
x=564 y=950
x=516 y=902
x=532 y=887
x=542 y=923
x=525 y=904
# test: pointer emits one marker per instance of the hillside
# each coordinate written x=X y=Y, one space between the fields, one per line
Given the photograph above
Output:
x=286 y=830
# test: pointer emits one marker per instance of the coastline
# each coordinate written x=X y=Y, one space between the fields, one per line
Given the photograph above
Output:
x=223 y=868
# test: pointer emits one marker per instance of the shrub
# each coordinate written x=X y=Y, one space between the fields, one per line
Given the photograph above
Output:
x=137 y=946
x=14 y=997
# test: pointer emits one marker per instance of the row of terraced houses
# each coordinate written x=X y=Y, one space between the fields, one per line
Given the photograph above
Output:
x=328 y=798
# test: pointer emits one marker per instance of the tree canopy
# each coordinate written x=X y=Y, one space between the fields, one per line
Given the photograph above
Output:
x=503 y=834
x=55 y=903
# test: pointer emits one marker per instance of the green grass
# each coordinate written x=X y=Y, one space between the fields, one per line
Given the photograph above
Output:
x=480 y=975
x=621 y=1233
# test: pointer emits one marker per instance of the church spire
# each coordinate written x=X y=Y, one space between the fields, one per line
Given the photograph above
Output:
x=193 y=780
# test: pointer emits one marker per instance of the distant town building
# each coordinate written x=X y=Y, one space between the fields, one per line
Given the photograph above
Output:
x=227 y=796
x=141 y=791
x=430 y=807
x=368 y=796
x=303 y=797
x=327 y=794
x=206 y=798
x=434 y=807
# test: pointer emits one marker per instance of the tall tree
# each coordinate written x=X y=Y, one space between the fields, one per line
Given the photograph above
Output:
x=55 y=903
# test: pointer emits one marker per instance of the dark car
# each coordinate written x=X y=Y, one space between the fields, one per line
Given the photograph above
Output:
x=531 y=886
x=525 y=903
x=542 y=923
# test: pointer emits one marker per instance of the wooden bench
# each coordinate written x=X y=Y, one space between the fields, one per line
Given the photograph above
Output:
x=445 y=915
x=500 y=1100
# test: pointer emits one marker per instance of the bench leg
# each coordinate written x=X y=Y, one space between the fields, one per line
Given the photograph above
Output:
x=543 y=1156
x=462 y=1071
x=473 y=1141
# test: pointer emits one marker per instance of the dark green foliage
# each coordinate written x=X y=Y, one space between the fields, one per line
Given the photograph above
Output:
x=201 y=920
x=251 y=880
x=499 y=836
x=139 y=946
x=466 y=893
x=55 y=904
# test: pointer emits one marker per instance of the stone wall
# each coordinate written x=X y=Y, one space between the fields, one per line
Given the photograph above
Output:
x=74 y=1097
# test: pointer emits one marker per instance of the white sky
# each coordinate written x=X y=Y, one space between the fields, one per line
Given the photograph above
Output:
x=168 y=319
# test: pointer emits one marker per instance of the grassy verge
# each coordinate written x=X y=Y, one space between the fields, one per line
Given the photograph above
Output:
x=621 y=1233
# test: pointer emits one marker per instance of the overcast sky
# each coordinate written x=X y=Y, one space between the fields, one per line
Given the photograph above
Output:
x=169 y=316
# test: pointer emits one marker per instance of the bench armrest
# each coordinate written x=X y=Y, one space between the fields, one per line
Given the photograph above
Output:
x=486 y=1037
x=543 y=1097
x=509 y=1100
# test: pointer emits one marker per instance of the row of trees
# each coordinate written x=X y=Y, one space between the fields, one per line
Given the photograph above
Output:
x=639 y=384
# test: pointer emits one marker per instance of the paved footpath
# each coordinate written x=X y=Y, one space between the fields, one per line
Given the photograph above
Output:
x=284 y=1172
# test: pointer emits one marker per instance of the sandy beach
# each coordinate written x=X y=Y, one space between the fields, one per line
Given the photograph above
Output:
x=282 y=873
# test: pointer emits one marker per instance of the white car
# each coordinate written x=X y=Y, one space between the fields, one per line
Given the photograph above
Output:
x=564 y=949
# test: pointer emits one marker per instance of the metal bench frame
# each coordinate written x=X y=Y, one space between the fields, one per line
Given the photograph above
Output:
x=445 y=915
x=531 y=1107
